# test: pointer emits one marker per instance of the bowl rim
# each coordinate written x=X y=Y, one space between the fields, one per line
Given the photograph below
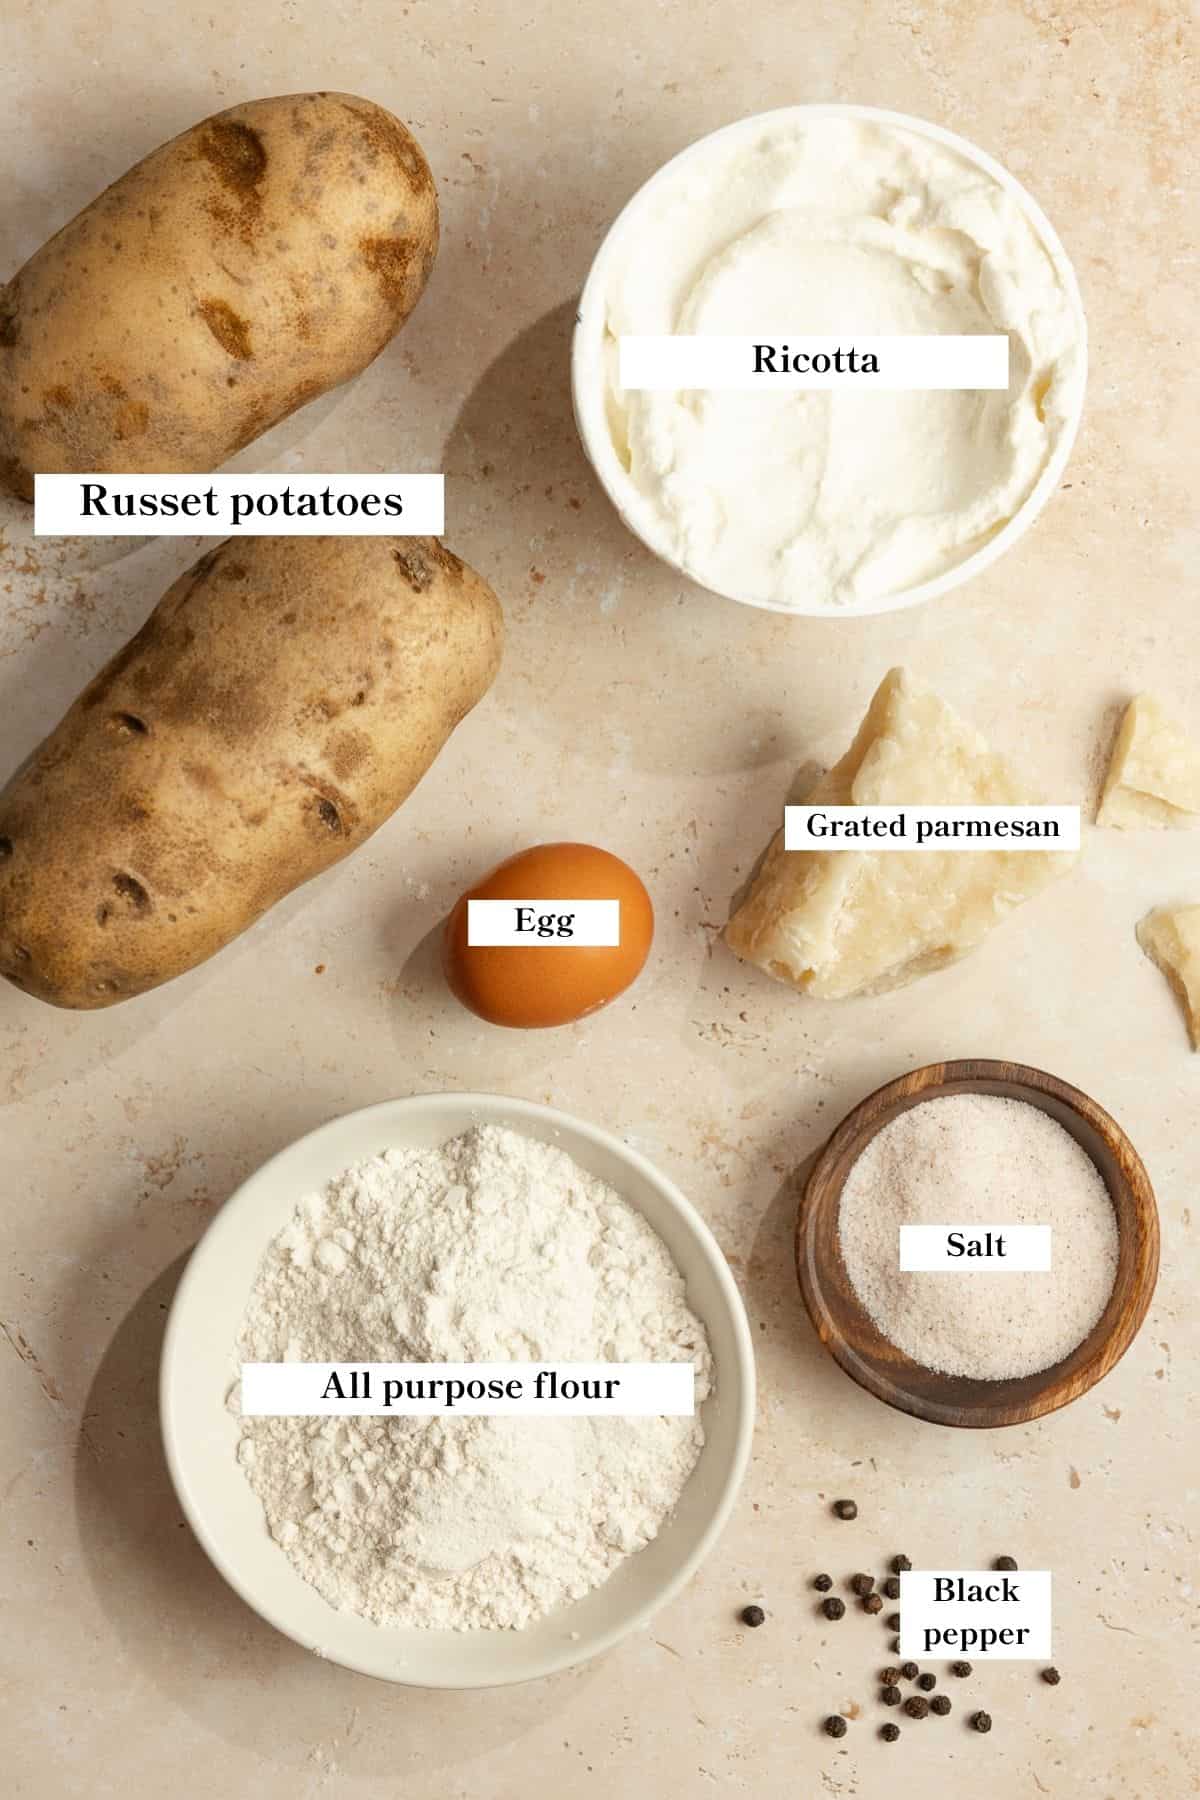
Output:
x=589 y=408
x=226 y=1224
x=1019 y=1081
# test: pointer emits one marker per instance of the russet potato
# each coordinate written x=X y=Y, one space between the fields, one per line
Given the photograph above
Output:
x=240 y=270
x=284 y=697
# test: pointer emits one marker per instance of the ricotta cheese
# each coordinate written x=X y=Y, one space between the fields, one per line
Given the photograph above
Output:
x=832 y=225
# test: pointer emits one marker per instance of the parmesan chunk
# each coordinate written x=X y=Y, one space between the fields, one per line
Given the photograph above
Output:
x=846 y=922
x=1170 y=936
x=1154 y=776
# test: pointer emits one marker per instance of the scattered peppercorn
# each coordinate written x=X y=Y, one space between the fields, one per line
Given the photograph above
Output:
x=845 y=1509
x=895 y=1646
x=940 y=1704
x=862 y=1584
x=928 y=1682
x=900 y=1564
x=891 y=1587
x=833 y=1608
x=873 y=1603
x=889 y=1732
x=1052 y=1676
x=909 y=1670
x=822 y=1583
x=893 y=1621
x=889 y=1677
x=890 y=1695
x=835 y=1725
x=960 y=1668
x=1005 y=1562
x=917 y=1706
x=981 y=1721
x=753 y=1615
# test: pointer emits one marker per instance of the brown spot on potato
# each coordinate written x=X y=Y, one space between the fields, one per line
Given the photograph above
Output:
x=386 y=136
x=445 y=559
x=414 y=567
x=236 y=154
x=347 y=752
x=234 y=571
x=129 y=725
x=112 y=387
x=10 y=325
x=60 y=397
x=16 y=477
x=132 y=421
x=390 y=260
x=130 y=889
x=6 y=848
x=231 y=331
x=329 y=815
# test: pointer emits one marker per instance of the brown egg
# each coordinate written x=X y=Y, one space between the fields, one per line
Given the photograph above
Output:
x=549 y=983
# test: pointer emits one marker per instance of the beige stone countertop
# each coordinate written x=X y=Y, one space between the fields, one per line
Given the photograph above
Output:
x=634 y=709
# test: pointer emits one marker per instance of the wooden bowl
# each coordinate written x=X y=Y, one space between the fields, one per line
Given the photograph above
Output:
x=851 y=1337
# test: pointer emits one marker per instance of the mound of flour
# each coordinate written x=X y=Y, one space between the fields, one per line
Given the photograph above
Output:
x=493 y=1248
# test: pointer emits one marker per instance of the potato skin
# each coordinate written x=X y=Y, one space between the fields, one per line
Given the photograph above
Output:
x=284 y=697
x=240 y=270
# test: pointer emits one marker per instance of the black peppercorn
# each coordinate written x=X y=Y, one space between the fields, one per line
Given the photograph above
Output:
x=928 y=1682
x=753 y=1615
x=893 y=1621
x=872 y=1603
x=862 y=1584
x=1005 y=1562
x=889 y=1732
x=822 y=1583
x=909 y=1670
x=960 y=1668
x=890 y=1695
x=895 y=1646
x=835 y=1725
x=1052 y=1676
x=981 y=1721
x=889 y=1677
x=940 y=1704
x=845 y=1509
x=833 y=1608
x=891 y=1587
x=900 y=1564
x=917 y=1706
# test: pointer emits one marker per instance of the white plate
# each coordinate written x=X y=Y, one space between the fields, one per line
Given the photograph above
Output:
x=200 y=1434
x=587 y=386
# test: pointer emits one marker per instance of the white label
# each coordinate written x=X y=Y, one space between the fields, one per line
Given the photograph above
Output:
x=895 y=363
x=931 y=828
x=238 y=505
x=414 y=1390
x=974 y=1248
x=496 y=922
x=975 y=1613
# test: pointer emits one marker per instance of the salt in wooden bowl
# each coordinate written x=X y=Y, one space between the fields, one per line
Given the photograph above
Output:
x=855 y=1342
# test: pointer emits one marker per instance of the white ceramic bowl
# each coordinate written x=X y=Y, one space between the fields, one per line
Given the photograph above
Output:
x=200 y=1434
x=587 y=387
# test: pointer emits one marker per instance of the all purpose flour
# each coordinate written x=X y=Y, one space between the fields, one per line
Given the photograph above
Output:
x=494 y=1248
